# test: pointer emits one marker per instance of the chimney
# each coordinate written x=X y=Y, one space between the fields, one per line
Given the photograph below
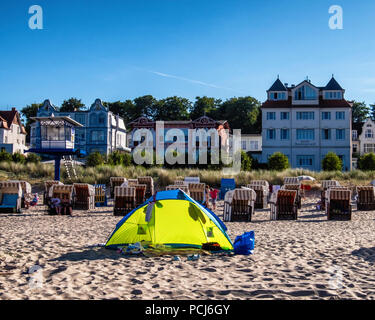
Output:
x=286 y=84
x=14 y=109
x=293 y=85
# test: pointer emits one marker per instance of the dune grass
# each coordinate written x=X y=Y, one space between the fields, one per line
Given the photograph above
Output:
x=37 y=173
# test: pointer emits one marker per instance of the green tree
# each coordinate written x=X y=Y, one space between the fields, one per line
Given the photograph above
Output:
x=331 y=162
x=242 y=113
x=204 y=106
x=126 y=109
x=367 y=162
x=94 y=159
x=72 y=105
x=28 y=112
x=172 y=108
x=18 y=157
x=144 y=106
x=360 y=112
x=5 y=156
x=32 y=158
x=278 y=161
x=246 y=161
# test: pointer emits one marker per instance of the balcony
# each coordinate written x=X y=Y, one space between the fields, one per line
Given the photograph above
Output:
x=56 y=144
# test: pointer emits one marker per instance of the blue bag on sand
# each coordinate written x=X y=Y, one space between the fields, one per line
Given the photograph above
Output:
x=244 y=244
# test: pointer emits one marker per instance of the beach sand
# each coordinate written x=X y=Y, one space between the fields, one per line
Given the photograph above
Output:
x=310 y=258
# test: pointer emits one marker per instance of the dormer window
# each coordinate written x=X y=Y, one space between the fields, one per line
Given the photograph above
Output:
x=277 y=96
x=305 y=93
x=333 y=95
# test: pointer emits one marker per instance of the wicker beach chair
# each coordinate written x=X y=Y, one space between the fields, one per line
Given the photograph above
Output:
x=325 y=185
x=197 y=192
x=10 y=197
x=115 y=182
x=179 y=183
x=100 y=195
x=140 y=193
x=132 y=182
x=284 y=205
x=183 y=187
x=291 y=180
x=47 y=186
x=84 y=196
x=239 y=205
x=365 y=198
x=26 y=191
x=124 y=200
x=65 y=194
x=338 y=204
x=296 y=187
x=149 y=182
x=262 y=193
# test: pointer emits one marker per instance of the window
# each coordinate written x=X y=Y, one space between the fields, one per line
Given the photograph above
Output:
x=305 y=134
x=271 y=134
x=284 y=134
x=243 y=145
x=277 y=95
x=305 y=161
x=354 y=134
x=333 y=95
x=369 y=147
x=284 y=116
x=305 y=93
x=271 y=115
x=340 y=134
x=305 y=115
x=254 y=145
x=97 y=136
x=340 y=115
x=369 y=134
x=326 y=134
x=326 y=115
x=355 y=148
x=101 y=119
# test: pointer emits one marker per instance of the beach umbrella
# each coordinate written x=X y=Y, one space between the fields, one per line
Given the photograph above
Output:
x=306 y=178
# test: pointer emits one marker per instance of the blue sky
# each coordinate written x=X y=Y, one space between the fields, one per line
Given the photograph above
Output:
x=122 y=49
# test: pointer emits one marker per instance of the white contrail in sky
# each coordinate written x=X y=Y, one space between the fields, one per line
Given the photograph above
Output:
x=191 y=81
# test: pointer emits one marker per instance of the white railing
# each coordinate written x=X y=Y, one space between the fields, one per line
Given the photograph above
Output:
x=57 y=144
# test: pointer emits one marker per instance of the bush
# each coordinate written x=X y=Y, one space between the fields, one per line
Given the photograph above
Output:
x=94 y=159
x=18 y=157
x=5 y=156
x=32 y=158
x=331 y=162
x=127 y=160
x=116 y=158
x=367 y=162
x=278 y=161
x=245 y=161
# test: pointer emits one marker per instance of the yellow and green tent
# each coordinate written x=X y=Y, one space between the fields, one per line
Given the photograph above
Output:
x=170 y=218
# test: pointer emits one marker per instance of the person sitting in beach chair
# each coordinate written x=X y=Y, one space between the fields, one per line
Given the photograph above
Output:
x=65 y=194
x=55 y=205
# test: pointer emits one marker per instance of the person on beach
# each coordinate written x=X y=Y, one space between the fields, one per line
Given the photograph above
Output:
x=56 y=203
x=213 y=195
x=207 y=196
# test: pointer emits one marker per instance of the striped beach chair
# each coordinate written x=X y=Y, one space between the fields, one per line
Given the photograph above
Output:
x=365 y=197
x=140 y=194
x=115 y=182
x=124 y=200
x=183 y=187
x=179 y=183
x=149 y=182
x=262 y=193
x=296 y=187
x=239 y=205
x=84 y=196
x=132 y=182
x=291 y=180
x=26 y=191
x=10 y=197
x=325 y=185
x=65 y=194
x=338 y=204
x=47 y=186
x=284 y=205
x=197 y=192
x=100 y=195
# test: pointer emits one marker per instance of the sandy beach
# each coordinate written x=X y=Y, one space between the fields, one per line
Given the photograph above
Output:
x=310 y=258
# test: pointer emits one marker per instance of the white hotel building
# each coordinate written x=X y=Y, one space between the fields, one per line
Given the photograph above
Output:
x=305 y=122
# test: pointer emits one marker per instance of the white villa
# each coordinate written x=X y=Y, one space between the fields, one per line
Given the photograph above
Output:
x=305 y=122
x=12 y=132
